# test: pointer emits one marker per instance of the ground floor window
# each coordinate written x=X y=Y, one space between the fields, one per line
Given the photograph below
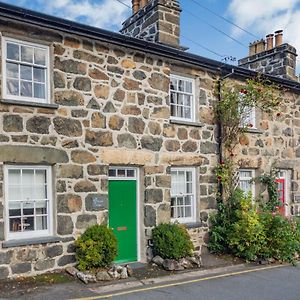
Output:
x=28 y=200
x=246 y=183
x=183 y=194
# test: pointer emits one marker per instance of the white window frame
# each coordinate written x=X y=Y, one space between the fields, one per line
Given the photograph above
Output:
x=193 y=103
x=33 y=233
x=252 y=190
x=251 y=115
x=193 y=194
x=6 y=40
x=285 y=174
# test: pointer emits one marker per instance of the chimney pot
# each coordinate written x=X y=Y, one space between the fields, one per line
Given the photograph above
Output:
x=135 y=6
x=270 y=41
x=278 y=38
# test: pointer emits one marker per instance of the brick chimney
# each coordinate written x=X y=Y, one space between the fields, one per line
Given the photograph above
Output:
x=277 y=59
x=154 y=20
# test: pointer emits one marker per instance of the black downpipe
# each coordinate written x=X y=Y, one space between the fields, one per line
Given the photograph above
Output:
x=219 y=132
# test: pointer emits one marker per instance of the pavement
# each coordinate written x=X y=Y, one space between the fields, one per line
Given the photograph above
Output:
x=147 y=279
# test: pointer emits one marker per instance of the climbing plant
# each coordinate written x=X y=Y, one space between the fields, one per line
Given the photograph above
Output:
x=232 y=110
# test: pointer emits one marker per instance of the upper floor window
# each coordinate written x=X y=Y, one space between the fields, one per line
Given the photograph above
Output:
x=246 y=183
x=28 y=201
x=248 y=118
x=183 y=194
x=25 y=71
x=182 y=98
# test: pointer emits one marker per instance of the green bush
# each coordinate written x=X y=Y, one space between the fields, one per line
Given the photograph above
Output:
x=282 y=237
x=246 y=236
x=171 y=241
x=96 y=247
x=239 y=228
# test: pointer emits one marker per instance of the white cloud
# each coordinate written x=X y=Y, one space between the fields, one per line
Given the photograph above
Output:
x=107 y=14
x=263 y=17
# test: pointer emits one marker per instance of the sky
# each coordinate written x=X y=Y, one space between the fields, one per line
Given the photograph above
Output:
x=210 y=28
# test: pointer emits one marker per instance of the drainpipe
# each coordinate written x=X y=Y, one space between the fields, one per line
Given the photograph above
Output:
x=219 y=125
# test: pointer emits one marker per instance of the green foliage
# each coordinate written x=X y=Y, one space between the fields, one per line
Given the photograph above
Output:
x=282 y=236
x=171 y=241
x=269 y=180
x=247 y=236
x=96 y=247
x=224 y=173
x=240 y=229
x=236 y=100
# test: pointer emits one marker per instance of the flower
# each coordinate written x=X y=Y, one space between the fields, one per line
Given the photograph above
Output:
x=278 y=114
x=222 y=162
x=250 y=125
x=219 y=178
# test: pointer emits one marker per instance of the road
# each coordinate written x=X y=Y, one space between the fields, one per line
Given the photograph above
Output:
x=244 y=283
x=281 y=283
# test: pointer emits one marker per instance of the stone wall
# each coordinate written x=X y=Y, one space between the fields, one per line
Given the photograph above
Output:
x=275 y=142
x=113 y=109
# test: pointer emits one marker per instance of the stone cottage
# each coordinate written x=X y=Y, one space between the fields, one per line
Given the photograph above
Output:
x=118 y=129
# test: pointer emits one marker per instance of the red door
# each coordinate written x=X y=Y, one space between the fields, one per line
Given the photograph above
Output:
x=281 y=193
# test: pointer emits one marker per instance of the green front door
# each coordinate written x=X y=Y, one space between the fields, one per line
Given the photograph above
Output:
x=123 y=217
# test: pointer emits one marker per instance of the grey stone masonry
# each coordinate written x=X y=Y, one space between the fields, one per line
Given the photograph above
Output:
x=158 y=22
x=279 y=61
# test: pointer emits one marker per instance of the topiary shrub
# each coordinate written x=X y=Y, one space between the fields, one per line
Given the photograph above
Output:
x=171 y=241
x=96 y=247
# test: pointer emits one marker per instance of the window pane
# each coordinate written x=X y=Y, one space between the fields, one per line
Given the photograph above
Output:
x=14 y=176
x=40 y=57
x=14 y=208
x=41 y=207
x=188 y=87
x=28 y=208
x=121 y=173
x=14 y=193
x=39 y=74
x=12 y=87
x=180 y=85
x=187 y=113
x=26 y=72
x=40 y=192
x=188 y=200
x=130 y=173
x=12 y=51
x=40 y=177
x=28 y=193
x=112 y=173
x=41 y=223
x=39 y=90
x=15 y=224
x=188 y=211
x=28 y=177
x=12 y=70
x=27 y=54
x=180 y=99
x=173 y=84
x=28 y=223
x=26 y=88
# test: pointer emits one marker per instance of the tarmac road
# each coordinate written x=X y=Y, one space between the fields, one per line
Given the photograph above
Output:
x=282 y=283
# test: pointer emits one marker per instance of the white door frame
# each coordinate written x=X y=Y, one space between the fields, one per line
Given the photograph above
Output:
x=136 y=177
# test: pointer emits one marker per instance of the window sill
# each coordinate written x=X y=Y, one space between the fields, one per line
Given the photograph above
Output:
x=254 y=130
x=193 y=225
x=31 y=241
x=31 y=104
x=188 y=123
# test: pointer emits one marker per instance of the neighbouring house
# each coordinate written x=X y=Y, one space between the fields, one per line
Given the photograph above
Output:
x=100 y=127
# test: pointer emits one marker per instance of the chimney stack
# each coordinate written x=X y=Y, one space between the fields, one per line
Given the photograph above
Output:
x=270 y=41
x=277 y=60
x=278 y=38
x=156 y=21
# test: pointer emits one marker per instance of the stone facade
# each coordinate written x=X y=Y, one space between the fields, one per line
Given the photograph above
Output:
x=158 y=21
x=112 y=109
x=110 y=106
